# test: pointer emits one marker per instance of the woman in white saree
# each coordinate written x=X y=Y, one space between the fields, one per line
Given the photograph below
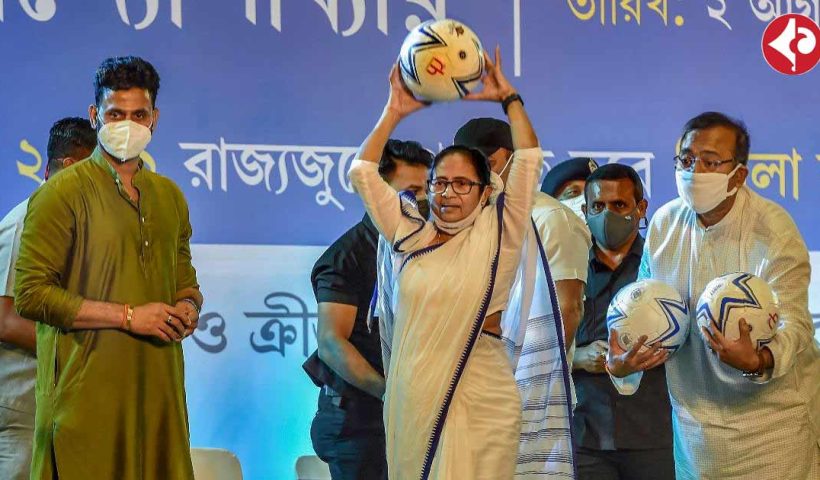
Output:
x=452 y=408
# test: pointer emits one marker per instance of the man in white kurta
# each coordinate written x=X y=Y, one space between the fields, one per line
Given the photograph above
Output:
x=545 y=308
x=727 y=425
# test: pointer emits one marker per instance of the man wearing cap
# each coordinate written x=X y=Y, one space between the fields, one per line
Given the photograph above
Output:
x=555 y=253
x=565 y=237
x=565 y=182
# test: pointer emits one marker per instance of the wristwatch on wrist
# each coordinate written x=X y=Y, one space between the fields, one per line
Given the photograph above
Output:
x=760 y=368
x=509 y=99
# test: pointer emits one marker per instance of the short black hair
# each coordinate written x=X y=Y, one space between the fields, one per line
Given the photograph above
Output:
x=479 y=160
x=406 y=151
x=716 y=119
x=67 y=137
x=122 y=73
x=616 y=171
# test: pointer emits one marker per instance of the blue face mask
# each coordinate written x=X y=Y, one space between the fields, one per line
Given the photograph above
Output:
x=612 y=230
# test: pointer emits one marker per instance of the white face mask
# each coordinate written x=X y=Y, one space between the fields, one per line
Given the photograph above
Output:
x=575 y=204
x=452 y=228
x=704 y=191
x=125 y=139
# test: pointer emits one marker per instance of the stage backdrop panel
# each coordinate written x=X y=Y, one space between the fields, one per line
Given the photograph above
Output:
x=264 y=102
x=246 y=389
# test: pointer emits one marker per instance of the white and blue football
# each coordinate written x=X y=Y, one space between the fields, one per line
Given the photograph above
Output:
x=733 y=296
x=441 y=60
x=652 y=308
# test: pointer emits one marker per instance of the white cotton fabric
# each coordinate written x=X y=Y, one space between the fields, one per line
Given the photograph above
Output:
x=727 y=426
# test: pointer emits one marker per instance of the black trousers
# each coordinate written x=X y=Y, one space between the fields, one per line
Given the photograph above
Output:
x=349 y=437
x=654 y=464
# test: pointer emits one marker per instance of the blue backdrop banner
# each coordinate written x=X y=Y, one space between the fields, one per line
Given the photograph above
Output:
x=264 y=102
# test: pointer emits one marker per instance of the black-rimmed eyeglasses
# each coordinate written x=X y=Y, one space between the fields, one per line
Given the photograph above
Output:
x=460 y=186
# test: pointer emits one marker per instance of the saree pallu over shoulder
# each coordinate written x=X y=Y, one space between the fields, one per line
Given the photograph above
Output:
x=424 y=298
x=534 y=334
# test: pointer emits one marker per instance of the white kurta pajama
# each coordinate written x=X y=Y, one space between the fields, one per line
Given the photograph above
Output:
x=452 y=409
x=727 y=426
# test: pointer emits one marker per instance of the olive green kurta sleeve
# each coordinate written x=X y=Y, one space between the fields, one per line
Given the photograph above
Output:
x=186 y=274
x=45 y=248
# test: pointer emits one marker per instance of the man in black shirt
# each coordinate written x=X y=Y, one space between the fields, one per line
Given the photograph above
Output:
x=348 y=430
x=616 y=437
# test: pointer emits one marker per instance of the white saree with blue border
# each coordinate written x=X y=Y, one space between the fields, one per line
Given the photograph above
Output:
x=432 y=303
x=533 y=334
x=452 y=409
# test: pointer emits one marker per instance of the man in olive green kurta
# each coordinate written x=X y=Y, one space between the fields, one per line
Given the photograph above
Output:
x=110 y=398
x=111 y=404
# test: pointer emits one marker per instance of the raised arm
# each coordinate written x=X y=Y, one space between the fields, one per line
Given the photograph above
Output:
x=400 y=104
x=527 y=160
x=381 y=201
x=525 y=171
x=496 y=88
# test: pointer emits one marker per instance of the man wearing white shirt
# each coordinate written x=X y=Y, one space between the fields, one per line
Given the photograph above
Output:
x=565 y=236
x=70 y=140
x=738 y=412
x=565 y=182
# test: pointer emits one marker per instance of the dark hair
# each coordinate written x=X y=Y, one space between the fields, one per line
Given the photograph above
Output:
x=67 y=137
x=616 y=171
x=479 y=160
x=406 y=151
x=716 y=119
x=122 y=73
